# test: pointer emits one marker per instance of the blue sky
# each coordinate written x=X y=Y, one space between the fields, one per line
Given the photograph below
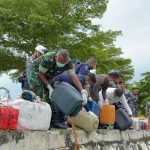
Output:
x=14 y=88
x=132 y=17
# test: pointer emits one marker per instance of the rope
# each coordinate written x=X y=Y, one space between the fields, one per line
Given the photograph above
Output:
x=6 y=95
x=74 y=133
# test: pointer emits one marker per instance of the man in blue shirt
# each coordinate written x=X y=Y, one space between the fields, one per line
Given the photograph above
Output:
x=86 y=81
x=84 y=68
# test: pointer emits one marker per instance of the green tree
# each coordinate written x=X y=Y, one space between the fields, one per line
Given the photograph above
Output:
x=144 y=97
x=62 y=23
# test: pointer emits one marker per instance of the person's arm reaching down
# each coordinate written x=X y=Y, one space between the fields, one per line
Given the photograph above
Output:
x=124 y=102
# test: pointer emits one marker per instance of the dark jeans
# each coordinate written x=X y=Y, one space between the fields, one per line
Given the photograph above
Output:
x=57 y=115
x=87 y=107
x=25 y=85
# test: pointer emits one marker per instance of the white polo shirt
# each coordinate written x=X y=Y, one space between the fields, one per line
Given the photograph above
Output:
x=112 y=99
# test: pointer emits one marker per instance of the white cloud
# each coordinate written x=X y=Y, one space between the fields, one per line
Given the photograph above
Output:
x=132 y=18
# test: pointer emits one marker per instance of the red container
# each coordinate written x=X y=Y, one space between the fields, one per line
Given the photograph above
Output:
x=8 y=118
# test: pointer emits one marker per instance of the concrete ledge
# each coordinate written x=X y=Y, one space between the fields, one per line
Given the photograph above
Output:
x=63 y=140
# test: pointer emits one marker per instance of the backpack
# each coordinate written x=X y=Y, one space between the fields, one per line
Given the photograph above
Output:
x=28 y=95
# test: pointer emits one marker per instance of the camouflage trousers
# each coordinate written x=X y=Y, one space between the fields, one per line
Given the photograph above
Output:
x=40 y=89
x=37 y=87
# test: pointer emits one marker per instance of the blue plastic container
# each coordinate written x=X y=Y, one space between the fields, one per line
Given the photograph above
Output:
x=123 y=120
x=94 y=107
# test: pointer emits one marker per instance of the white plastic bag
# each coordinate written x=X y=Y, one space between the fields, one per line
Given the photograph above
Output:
x=32 y=116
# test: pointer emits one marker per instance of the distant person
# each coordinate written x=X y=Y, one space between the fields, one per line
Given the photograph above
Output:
x=23 y=80
x=127 y=93
x=132 y=97
x=122 y=85
x=133 y=101
x=147 y=110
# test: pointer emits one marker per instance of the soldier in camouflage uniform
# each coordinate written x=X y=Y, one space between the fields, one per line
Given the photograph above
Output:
x=52 y=64
x=36 y=85
x=31 y=65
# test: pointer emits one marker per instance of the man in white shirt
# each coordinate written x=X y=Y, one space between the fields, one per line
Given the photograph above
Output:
x=114 y=95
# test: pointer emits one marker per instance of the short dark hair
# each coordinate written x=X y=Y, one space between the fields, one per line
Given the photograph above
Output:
x=121 y=82
x=115 y=74
x=119 y=92
x=76 y=61
x=92 y=77
x=136 y=88
x=93 y=59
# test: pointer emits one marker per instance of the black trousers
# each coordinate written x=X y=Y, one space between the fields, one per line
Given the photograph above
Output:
x=57 y=115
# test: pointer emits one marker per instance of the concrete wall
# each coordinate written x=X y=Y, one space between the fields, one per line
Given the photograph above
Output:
x=63 y=140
